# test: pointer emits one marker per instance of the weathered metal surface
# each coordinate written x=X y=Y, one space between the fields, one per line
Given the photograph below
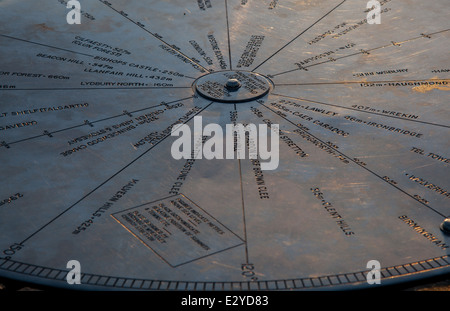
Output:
x=85 y=118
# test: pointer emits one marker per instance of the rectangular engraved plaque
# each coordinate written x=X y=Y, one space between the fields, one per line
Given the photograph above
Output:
x=177 y=230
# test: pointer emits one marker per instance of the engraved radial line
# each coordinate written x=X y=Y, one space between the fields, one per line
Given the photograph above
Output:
x=115 y=174
x=298 y=36
x=243 y=206
x=328 y=61
x=243 y=212
x=156 y=37
x=46 y=45
x=361 y=52
x=228 y=34
x=57 y=48
x=96 y=121
x=99 y=88
x=349 y=108
x=357 y=82
x=353 y=161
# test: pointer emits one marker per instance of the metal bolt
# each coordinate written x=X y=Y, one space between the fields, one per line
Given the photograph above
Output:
x=445 y=226
x=233 y=84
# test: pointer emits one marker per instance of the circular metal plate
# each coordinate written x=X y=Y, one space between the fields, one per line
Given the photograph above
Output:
x=86 y=114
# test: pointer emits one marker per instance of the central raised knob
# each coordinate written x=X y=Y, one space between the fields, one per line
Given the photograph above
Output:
x=233 y=85
x=445 y=226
